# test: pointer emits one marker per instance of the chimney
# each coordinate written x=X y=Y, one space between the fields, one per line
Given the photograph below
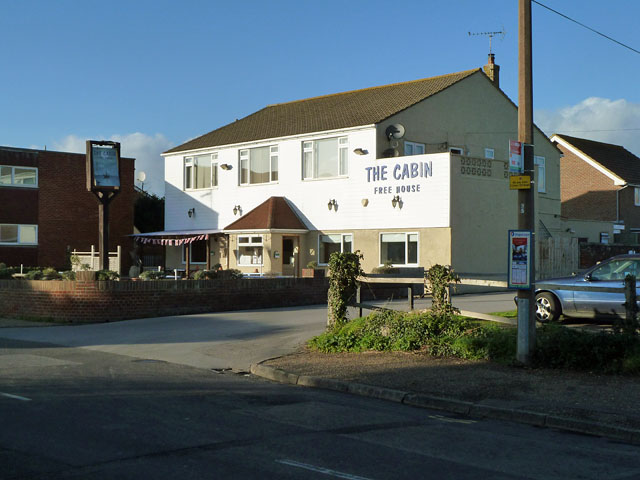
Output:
x=492 y=70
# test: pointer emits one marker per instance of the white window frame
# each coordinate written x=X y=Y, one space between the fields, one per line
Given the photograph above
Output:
x=489 y=153
x=244 y=155
x=191 y=262
x=413 y=146
x=13 y=177
x=540 y=162
x=20 y=227
x=191 y=177
x=309 y=147
x=250 y=243
x=342 y=242
x=406 y=248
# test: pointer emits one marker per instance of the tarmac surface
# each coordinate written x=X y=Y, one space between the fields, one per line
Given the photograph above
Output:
x=595 y=404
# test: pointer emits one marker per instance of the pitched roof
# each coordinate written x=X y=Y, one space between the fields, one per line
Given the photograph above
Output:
x=614 y=158
x=274 y=213
x=329 y=112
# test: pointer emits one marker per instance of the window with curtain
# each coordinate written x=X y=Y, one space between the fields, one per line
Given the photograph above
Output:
x=259 y=165
x=325 y=158
x=337 y=242
x=399 y=248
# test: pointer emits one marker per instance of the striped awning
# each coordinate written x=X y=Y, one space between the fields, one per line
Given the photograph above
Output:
x=174 y=237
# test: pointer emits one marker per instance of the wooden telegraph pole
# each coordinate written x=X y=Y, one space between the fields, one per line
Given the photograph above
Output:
x=526 y=197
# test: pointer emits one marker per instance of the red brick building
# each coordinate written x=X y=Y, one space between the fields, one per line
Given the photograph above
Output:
x=600 y=190
x=46 y=210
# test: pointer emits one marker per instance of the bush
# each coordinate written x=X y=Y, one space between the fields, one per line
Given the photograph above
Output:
x=35 y=274
x=50 y=273
x=398 y=331
x=68 y=275
x=6 y=273
x=3 y=265
x=559 y=347
x=231 y=274
x=344 y=271
x=152 y=275
x=387 y=267
x=107 y=275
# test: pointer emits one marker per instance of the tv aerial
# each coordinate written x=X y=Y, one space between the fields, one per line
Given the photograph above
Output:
x=500 y=34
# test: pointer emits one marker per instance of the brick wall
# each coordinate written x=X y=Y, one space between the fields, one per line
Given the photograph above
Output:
x=586 y=193
x=68 y=213
x=91 y=301
x=65 y=212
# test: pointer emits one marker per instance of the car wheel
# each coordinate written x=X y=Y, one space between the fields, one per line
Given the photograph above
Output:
x=547 y=308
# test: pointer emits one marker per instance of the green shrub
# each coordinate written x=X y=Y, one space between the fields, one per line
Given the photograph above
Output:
x=560 y=347
x=205 y=275
x=6 y=273
x=107 y=275
x=35 y=274
x=68 y=275
x=50 y=273
x=387 y=267
x=344 y=271
x=152 y=275
x=3 y=265
x=312 y=264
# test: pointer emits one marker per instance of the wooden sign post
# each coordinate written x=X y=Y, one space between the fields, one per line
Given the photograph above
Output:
x=103 y=179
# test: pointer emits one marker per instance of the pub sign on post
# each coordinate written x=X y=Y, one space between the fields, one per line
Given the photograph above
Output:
x=103 y=166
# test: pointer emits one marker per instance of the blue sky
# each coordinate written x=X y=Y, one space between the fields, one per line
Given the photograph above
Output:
x=153 y=74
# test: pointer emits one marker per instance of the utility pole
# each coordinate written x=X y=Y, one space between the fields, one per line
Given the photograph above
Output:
x=526 y=208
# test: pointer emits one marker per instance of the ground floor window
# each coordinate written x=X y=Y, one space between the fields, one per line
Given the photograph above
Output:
x=197 y=252
x=399 y=248
x=337 y=242
x=250 y=250
x=12 y=234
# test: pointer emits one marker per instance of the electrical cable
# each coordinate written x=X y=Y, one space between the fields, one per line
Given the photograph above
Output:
x=585 y=26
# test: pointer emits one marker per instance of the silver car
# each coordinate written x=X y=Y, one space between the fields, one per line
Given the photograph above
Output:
x=587 y=295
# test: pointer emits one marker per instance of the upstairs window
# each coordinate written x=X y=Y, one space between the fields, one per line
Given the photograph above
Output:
x=259 y=165
x=325 y=158
x=413 y=148
x=198 y=171
x=11 y=176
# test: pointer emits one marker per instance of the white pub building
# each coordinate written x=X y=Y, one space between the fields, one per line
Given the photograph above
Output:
x=411 y=174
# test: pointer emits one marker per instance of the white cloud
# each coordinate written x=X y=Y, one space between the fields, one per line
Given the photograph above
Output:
x=146 y=149
x=600 y=119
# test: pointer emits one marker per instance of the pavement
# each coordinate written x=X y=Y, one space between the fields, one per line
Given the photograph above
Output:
x=603 y=405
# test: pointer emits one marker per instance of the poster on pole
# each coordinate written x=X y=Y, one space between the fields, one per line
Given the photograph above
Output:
x=516 y=162
x=520 y=259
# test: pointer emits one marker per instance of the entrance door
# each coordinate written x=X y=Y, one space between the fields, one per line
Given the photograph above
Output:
x=290 y=256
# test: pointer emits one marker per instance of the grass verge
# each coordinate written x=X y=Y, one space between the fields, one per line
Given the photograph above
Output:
x=450 y=335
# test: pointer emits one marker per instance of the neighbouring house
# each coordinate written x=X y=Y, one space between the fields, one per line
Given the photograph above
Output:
x=600 y=190
x=46 y=210
x=412 y=174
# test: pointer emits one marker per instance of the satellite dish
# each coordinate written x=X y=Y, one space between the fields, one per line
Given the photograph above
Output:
x=395 y=131
x=142 y=176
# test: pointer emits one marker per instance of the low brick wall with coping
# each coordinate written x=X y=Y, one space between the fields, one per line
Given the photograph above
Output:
x=88 y=301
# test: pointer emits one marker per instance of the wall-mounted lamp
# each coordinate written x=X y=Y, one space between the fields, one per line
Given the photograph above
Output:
x=237 y=210
x=332 y=204
x=361 y=151
x=365 y=202
x=191 y=212
x=396 y=202
x=225 y=166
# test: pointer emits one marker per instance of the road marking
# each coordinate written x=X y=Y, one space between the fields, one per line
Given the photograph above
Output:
x=15 y=397
x=326 y=471
x=451 y=420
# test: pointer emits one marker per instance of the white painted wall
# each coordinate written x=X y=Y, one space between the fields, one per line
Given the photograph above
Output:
x=430 y=207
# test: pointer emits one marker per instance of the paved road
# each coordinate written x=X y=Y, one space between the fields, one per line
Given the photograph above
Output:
x=214 y=340
x=73 y=413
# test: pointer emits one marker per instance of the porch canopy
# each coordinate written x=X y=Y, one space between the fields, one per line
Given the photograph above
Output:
x=175 y=238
